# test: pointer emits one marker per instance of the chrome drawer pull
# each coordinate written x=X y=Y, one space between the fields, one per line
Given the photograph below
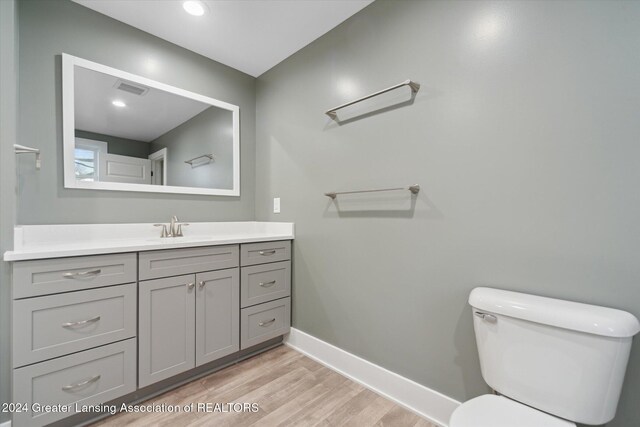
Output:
x=267 y=322
x=81 y=384
x=487 y=317
x=267 y=284
x=271 y=252
x=81 y=322
x=82 y=274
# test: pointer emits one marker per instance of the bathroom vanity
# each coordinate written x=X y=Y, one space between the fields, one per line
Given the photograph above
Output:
x=106 y=312
x=121 y=312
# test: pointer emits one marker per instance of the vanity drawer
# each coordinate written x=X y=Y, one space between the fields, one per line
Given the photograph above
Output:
x=90 y=377
x=265 y=321
x=265 y=282
x=260 y=253
x=55 y=325
x=52 y=276
x=174 y=262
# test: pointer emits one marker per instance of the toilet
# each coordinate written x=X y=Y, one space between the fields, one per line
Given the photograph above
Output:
x=552 y=363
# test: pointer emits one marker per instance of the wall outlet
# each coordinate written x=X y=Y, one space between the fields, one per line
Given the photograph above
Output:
x=276 y=205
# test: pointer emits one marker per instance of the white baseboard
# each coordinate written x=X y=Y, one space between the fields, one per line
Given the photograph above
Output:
x=429 y=404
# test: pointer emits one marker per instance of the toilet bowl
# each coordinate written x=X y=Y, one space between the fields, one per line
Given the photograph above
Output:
x=490 y=410
x=553 y=362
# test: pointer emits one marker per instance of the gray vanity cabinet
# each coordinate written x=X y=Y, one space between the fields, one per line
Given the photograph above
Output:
x=74 y=319
x=191 y=319
x=217 y=315
x=265 y=291
x=74 y=333
x=166 y=325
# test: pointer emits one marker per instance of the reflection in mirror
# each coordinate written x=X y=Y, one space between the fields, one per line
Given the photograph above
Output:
x=131 y=133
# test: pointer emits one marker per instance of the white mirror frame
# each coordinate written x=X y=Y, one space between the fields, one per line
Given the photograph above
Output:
x=68 y=132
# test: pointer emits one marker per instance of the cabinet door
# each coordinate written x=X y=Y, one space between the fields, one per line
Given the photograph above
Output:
x=166 y=328
x=217 y=314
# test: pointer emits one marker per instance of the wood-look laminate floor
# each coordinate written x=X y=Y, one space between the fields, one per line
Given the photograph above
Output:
x=290 y=390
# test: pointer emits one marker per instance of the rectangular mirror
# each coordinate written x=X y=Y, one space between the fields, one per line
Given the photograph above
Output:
x=129 y=133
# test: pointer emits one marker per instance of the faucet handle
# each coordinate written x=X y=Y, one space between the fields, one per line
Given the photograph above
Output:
x=179 y=230
x=163 y=233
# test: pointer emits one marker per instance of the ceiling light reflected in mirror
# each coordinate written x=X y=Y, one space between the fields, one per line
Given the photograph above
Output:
x=195 y=8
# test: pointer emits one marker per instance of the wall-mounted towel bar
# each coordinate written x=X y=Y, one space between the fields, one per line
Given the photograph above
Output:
x=413 y=85
x=206 y=159
x=413 y=188
x=22 y=149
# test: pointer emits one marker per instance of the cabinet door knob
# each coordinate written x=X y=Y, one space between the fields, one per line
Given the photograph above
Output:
x=191 y=285
x=201 y=284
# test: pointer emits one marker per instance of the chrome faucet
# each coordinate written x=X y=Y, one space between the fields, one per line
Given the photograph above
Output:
x=174 y=228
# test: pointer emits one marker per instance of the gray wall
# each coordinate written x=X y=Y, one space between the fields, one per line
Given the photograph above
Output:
x=524 y=137
x=117 y=145
x=8 y=125
x=210 y=132
x=48 y=28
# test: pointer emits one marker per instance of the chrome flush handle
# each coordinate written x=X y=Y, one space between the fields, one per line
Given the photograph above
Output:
x=266 y=253
x=486 y=317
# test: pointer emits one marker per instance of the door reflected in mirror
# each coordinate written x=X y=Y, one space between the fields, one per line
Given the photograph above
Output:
x=126 y=132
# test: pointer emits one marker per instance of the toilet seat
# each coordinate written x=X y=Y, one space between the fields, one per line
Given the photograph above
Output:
x=490 y=410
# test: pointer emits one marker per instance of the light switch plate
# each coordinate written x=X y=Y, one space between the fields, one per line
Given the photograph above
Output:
x=276 y=205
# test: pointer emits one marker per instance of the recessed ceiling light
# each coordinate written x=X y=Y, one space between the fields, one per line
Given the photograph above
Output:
x=194 y=7
x=119 y=103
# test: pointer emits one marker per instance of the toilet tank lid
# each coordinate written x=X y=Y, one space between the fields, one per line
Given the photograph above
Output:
x=575 y=316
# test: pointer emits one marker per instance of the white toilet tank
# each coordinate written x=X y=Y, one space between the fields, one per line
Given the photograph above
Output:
x=561 y=357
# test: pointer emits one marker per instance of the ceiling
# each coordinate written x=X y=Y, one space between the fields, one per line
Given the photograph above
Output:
x=249 y=35
x=144 y=118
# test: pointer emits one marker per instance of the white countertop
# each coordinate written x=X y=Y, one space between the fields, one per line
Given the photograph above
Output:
x=56 y=241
